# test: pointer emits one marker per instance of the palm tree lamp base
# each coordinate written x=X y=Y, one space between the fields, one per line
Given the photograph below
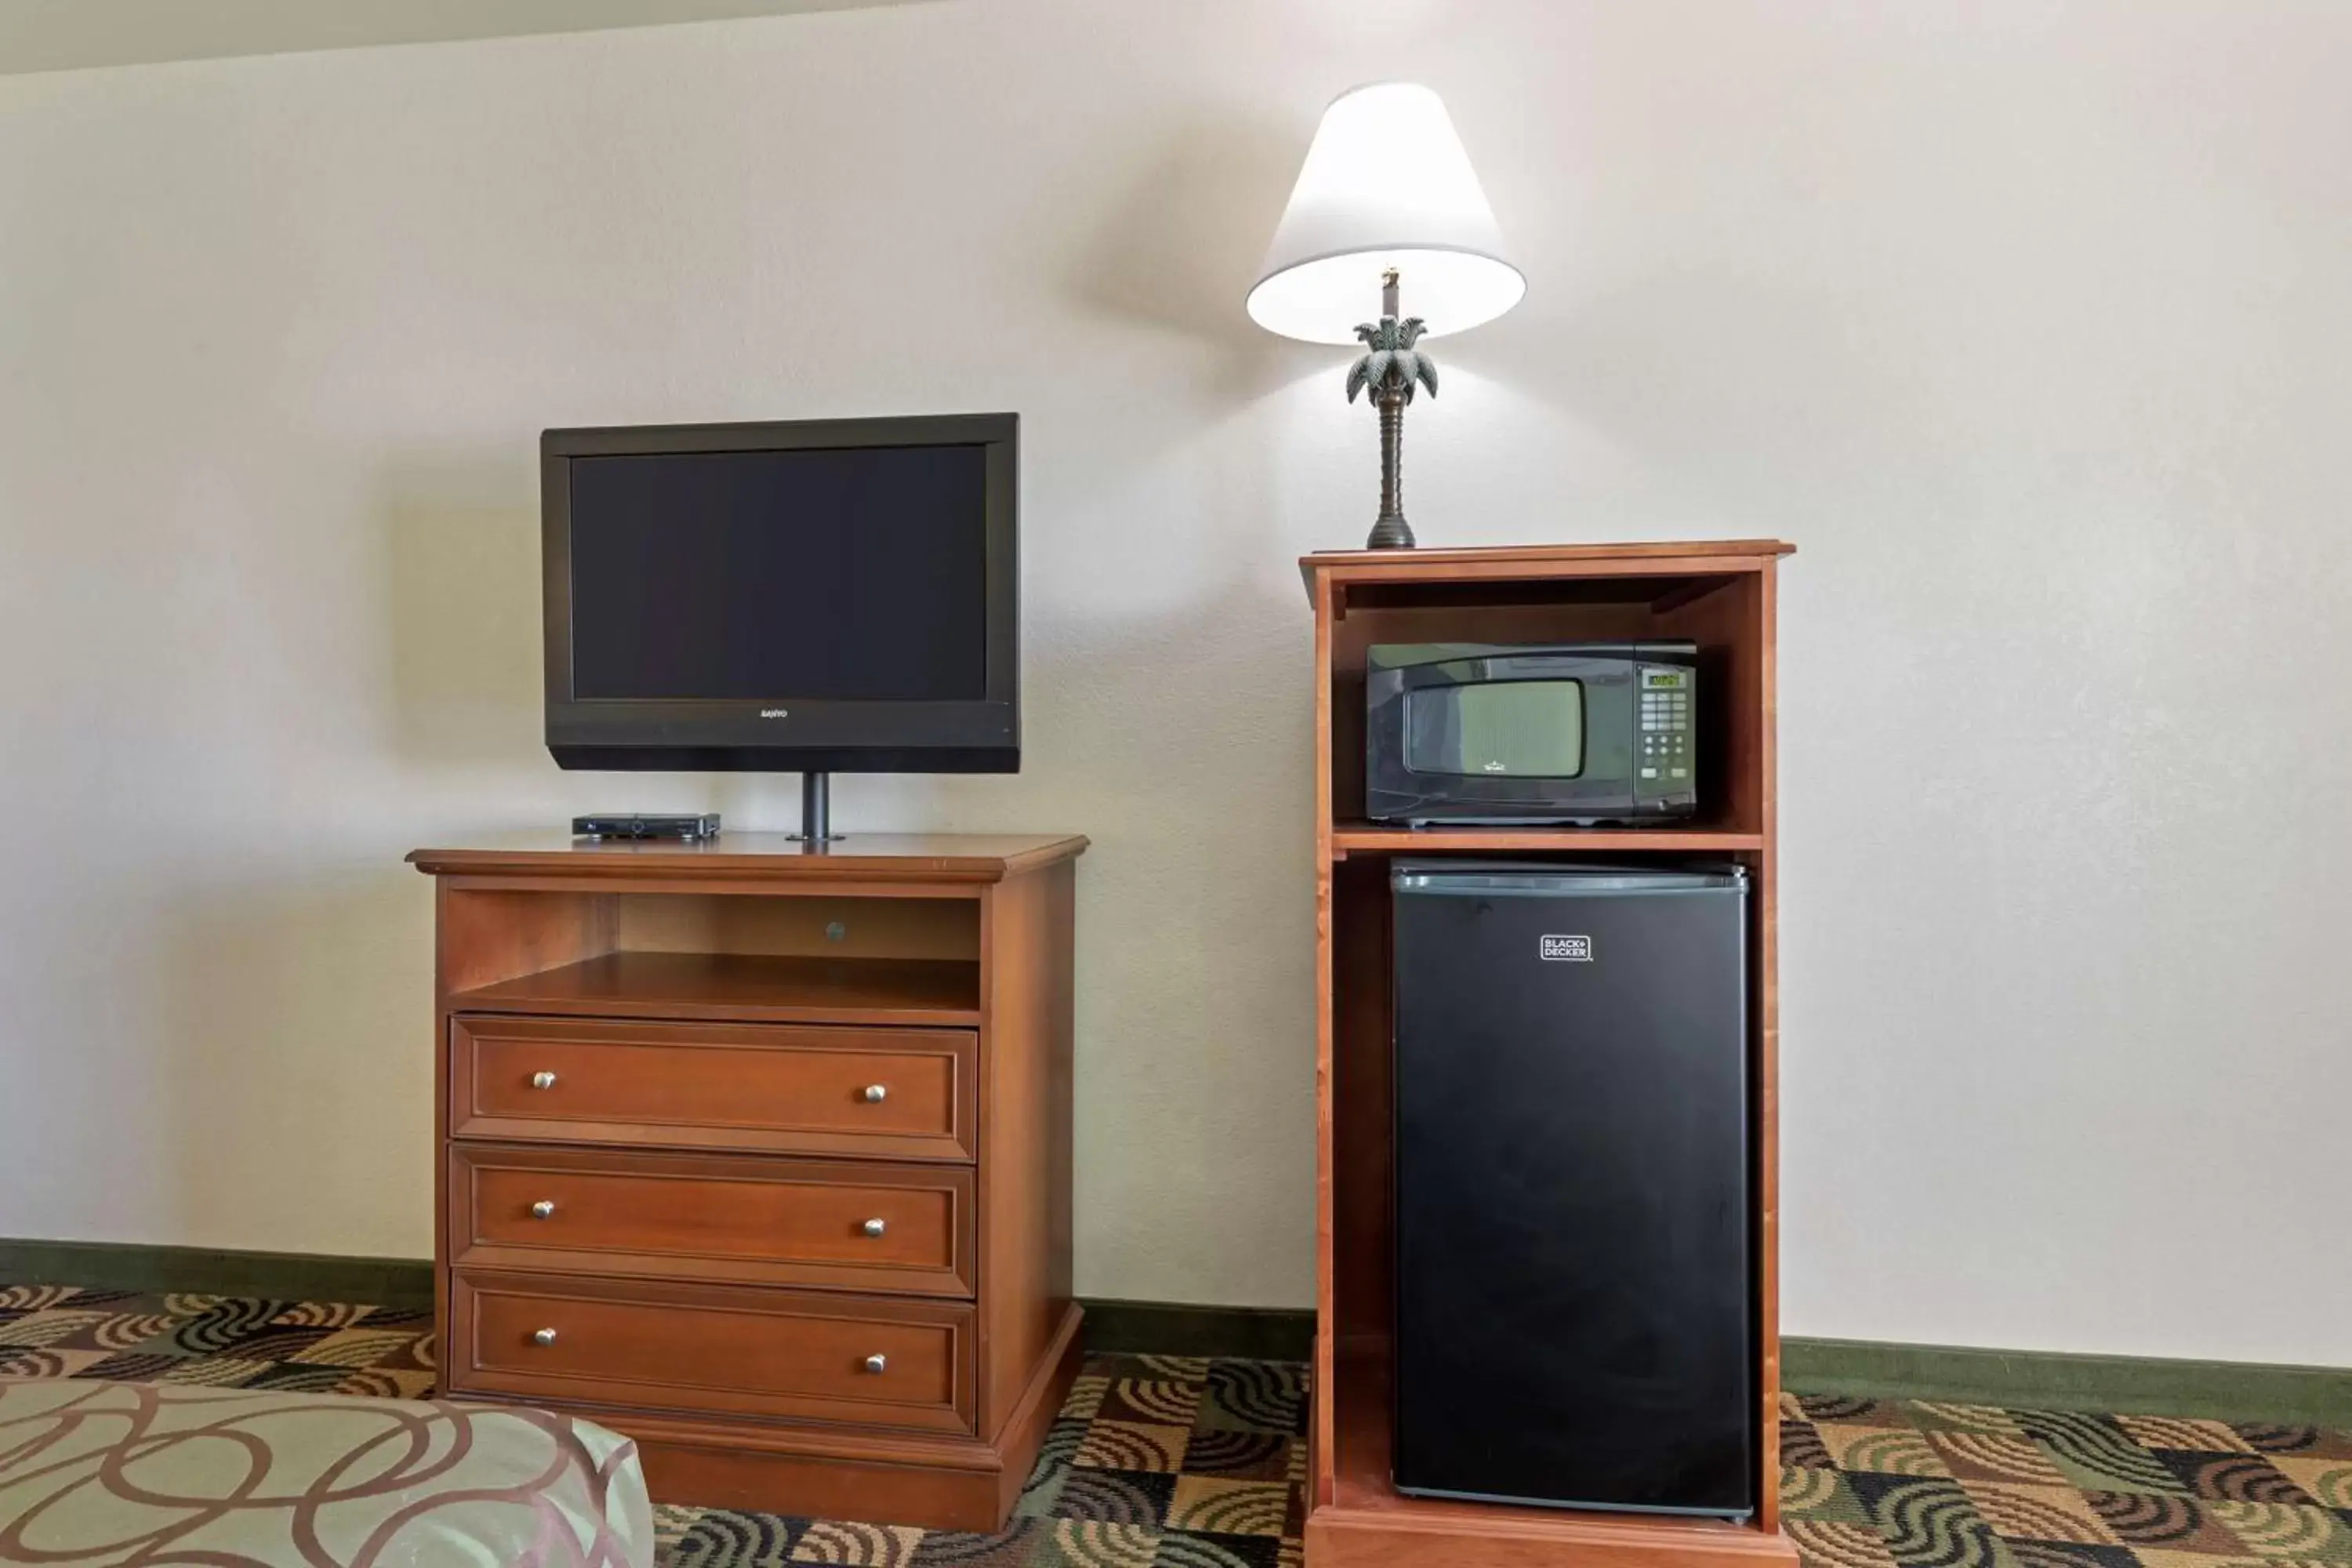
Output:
x=1393 y=369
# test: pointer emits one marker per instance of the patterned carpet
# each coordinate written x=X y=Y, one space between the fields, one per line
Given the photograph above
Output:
x=1173 y=1462
x=1867 y=1485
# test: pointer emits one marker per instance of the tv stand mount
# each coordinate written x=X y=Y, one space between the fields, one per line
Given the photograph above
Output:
x=816 y=810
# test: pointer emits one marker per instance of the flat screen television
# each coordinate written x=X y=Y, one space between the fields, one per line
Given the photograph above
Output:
x=820 y=596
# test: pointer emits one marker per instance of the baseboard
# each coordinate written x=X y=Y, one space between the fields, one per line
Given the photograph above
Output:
x=1167 y=1328
x=405 y=1283
x=2052 y=1380
x=1870 y=1369
x=2220 y=1391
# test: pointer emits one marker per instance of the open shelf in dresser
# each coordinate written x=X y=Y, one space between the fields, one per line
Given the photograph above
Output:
x=751 y=987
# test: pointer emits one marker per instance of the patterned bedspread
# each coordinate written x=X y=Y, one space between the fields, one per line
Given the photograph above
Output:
x=122 y=1473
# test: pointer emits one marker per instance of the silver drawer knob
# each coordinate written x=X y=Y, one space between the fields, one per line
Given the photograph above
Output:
x=543 y=1209
x=877 y=1363
x=545 y=1337
x=876 y=1094
x=875 y=1227
x=543 y=1081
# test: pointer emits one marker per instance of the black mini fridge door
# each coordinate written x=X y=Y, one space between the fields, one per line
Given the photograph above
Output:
x=1574 y=1270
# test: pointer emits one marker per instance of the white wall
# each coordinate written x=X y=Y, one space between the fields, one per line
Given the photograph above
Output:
x=2027 y=320
x=66 y=35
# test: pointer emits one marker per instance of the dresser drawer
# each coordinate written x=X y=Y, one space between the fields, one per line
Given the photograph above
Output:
x=723 y=1349
x=900 y=1094
x=832 y=1224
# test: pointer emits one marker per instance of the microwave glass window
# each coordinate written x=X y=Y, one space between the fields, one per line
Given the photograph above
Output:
x=1506 y=729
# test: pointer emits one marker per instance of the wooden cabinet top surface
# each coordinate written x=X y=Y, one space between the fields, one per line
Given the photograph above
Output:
x=1538 y=562
x=930 y=857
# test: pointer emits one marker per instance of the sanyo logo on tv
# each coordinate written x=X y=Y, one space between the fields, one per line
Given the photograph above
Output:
x=775 y=713
x=1565 y=949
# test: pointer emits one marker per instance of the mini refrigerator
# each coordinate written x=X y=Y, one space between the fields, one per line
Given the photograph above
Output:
x=1573 y=1188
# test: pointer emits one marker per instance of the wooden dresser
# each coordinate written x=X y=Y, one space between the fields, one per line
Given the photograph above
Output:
x=760 y=1154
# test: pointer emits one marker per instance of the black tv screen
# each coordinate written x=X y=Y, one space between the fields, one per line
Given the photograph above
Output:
x=825 y=596
x=844 y=573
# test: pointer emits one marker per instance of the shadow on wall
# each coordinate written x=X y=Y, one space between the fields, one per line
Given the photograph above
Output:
x=294 y=1025
x=1181 y=251
x=1157 y=731
x=47 y=37
x=462 y=574
x=1160 y=736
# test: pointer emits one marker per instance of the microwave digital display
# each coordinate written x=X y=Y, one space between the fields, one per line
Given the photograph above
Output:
x=1510 y=729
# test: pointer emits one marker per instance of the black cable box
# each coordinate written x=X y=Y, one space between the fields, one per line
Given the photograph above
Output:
x=646 y=824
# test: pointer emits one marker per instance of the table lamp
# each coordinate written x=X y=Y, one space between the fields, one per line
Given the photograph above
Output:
x=1386 y=199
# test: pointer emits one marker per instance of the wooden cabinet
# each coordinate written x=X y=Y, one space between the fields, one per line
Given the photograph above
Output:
x=1719 y=595
x=759 y=1153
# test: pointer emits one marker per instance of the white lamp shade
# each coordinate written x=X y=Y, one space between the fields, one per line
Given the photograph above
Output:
x=1386 y=185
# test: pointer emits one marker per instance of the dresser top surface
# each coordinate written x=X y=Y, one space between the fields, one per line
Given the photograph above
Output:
x=959 y=857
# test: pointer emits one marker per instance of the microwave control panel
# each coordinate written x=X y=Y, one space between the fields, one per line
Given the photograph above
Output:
x=1664 y=765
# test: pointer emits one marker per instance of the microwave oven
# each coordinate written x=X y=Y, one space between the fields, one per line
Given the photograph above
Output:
x=1584 y=733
